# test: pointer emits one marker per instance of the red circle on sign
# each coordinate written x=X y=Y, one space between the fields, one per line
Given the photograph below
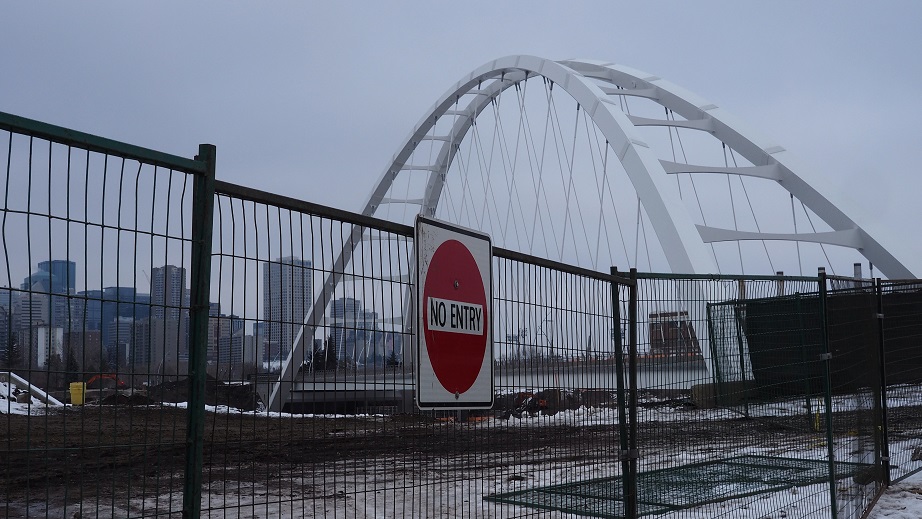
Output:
x=453 y=275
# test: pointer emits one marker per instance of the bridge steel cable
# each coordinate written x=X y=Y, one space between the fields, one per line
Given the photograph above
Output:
x=685 y=245
x=769 y=160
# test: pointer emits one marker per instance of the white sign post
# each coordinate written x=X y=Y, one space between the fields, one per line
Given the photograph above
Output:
x=454 y=309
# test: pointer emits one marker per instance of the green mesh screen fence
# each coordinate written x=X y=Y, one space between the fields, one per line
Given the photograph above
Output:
x=768 y=350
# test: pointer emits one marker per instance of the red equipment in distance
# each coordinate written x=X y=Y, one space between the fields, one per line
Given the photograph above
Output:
x=105 y=381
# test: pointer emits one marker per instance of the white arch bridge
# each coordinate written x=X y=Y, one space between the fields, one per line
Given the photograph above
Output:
x=596 y=164
x=543 y=143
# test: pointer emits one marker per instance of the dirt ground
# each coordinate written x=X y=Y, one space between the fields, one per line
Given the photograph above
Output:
x=119 y=454
x=117 y=451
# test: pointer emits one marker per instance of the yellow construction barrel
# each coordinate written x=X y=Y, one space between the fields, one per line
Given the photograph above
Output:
x=77 y=392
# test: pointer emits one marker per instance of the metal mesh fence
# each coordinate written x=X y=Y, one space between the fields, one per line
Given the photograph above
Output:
x=901 y=334
x=341 y=436
x=96 y=246
x=557 y=379
x=739 y=384
x=176 y=347
x=338 y=437
x=851 y=323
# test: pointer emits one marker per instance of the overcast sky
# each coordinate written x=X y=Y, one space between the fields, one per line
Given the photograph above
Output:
x=312 y=99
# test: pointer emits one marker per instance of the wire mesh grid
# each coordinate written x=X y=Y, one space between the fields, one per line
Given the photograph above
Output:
x=338 y=436
x=96 y=245
x=307 y=366
x=852 y=334
x=901 y=332
x=341 y=435
x=733 y=387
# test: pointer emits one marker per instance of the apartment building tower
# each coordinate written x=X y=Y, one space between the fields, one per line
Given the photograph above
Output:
x=287 y=297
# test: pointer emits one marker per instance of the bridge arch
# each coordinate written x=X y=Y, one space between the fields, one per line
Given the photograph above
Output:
x=683 y=248
x=594 y=85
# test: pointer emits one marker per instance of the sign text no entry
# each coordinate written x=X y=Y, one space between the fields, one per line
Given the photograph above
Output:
x=454 y=315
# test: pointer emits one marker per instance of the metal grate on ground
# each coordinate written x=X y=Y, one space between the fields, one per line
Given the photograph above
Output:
x=689 y=486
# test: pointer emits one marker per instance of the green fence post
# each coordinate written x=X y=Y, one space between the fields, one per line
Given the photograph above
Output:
x=627 y=482
x=827 y=376
x=883 y=433
x=739 y=345
x=632 y=511
x=203 y=190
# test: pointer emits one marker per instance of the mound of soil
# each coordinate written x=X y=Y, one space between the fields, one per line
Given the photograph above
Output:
x=238 y=395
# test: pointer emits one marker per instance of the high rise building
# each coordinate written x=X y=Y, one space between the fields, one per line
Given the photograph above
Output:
x=6 y=316
x=120 y=337
x=155 y=345
x=261 y=336
x=354 y=333
x=7 y=302
x=31 y=309
x=345 y=312
x=86 y=348
x=38 y=325
x=162 y=339
x=239 y=348
x=63 y=275
x=57 y=278
x=117 y=302
x=287 y=297
x=241 y=356
x=7 y=297
x=168 y=292
x=221 y=326
x=45 y=344
x=86 y=310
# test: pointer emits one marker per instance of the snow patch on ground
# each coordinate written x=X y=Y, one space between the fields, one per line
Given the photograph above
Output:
x=463 y=496
x=902 y=500
x=10 y=404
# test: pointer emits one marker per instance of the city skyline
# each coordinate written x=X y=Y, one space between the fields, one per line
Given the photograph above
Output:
x=151 y=328
x=128 y=326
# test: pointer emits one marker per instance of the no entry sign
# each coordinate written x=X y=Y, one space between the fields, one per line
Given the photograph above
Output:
x=454 y=317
